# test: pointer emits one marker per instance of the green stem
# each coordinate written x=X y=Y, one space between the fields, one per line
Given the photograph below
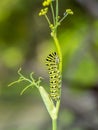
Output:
x=57 y=10
x=47 y=19
x=57 y=107
x=58 y=50
x=63 y=18
x=52 y=10
x=54 y=124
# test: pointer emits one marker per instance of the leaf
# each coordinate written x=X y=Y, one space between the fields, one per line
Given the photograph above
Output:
x=48 y=102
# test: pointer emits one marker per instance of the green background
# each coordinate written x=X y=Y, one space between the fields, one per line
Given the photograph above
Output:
x=25 y=42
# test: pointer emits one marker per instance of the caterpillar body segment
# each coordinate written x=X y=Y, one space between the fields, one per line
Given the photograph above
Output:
x=52 y=63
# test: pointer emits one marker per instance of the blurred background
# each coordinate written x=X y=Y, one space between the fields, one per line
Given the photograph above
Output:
x=25 y=42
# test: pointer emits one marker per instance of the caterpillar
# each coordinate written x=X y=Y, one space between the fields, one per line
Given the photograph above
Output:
x=52 y=62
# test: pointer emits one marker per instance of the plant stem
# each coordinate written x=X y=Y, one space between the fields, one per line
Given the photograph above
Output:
x=54 y=124
x=52 y=10
x=57 y=107
x=56 y=41
x=63 y=18
x=54 y=121
x=58 y=50
x=57 y=10
x=47 y=19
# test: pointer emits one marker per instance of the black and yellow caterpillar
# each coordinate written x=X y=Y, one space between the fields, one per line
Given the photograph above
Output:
x=52 y=62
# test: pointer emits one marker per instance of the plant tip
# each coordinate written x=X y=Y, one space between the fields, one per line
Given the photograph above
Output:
x=69 y=11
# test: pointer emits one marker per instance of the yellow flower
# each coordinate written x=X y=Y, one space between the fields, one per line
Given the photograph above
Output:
x=43 y=11
x=69 y=11
x=46 y=2
x=51 y=26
